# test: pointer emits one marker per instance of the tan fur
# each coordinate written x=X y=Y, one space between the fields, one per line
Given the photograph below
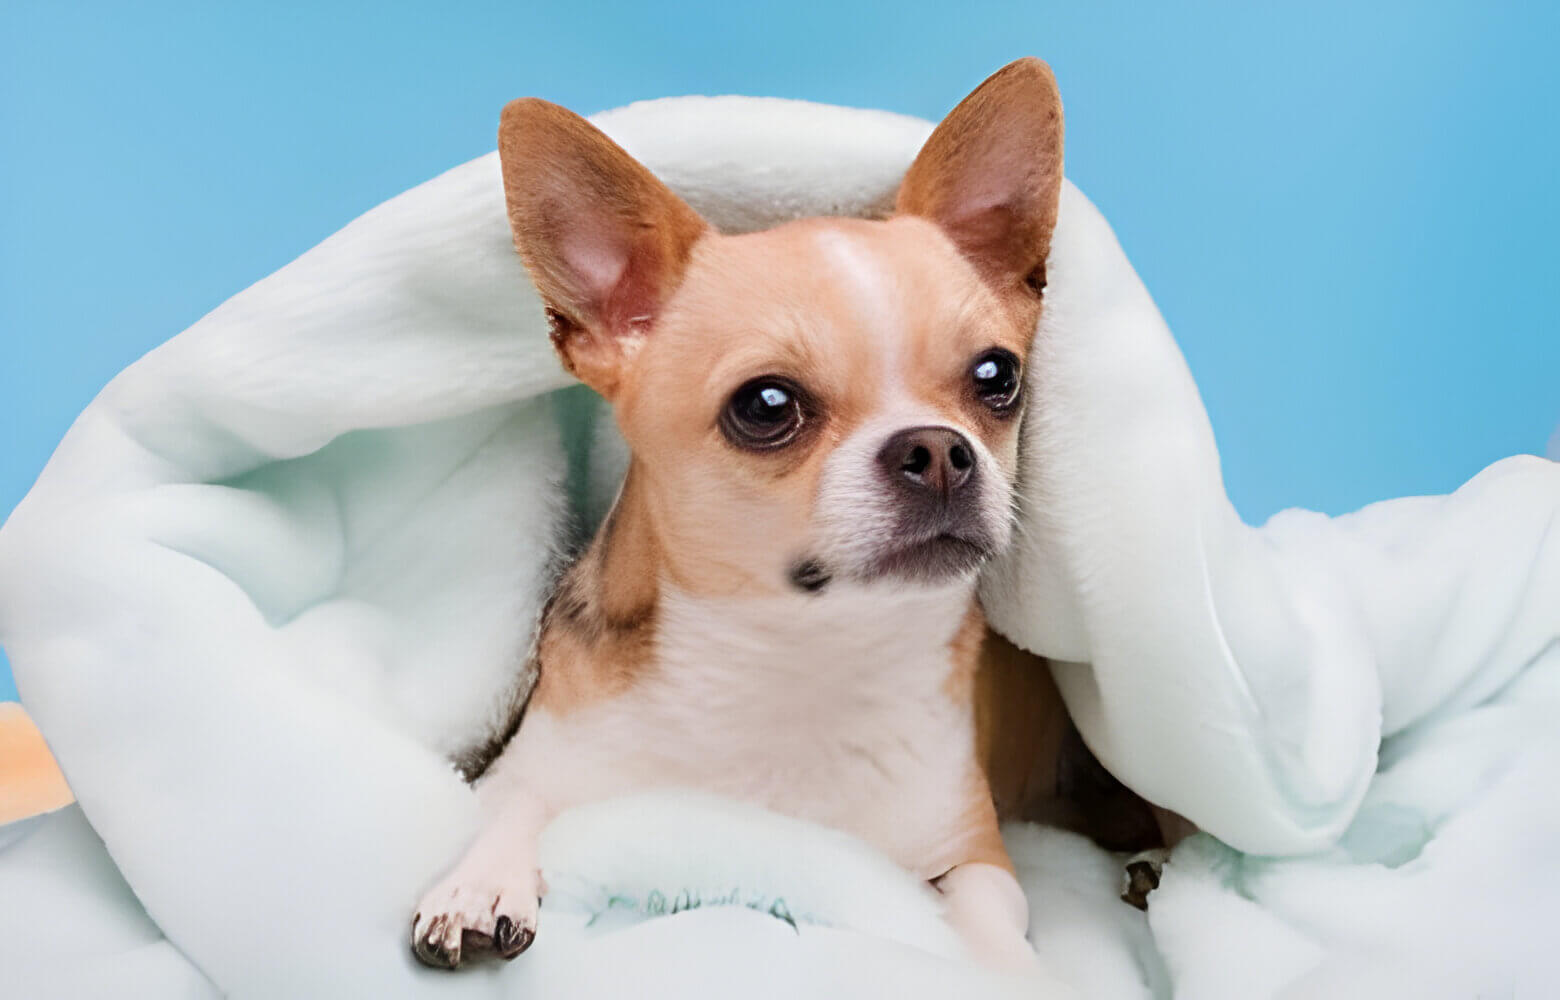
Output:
x=1004 y=227
x=598 y=631
x=554 y=163
x=1019 y=722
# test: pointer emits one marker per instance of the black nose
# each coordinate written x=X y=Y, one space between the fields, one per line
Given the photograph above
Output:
x=935 y=459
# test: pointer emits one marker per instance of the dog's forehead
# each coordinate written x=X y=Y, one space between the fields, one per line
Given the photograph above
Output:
x=885 y=269
x=888 y=289
x=864 y=271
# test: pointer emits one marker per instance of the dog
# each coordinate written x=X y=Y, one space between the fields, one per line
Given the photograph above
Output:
x=781 y=605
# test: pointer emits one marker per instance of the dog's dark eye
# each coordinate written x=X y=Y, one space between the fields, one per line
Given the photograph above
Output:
x=995 y=375
x=764 y=413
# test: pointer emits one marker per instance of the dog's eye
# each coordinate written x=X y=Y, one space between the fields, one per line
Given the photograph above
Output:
x=764 y=413
x=995 y=375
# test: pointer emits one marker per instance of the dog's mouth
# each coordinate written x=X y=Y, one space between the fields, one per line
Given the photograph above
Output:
x=932 y=559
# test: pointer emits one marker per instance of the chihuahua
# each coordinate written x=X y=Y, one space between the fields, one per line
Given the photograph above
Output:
x=781 y=606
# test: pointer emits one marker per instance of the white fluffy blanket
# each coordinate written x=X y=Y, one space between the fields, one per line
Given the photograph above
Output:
x=287 y=560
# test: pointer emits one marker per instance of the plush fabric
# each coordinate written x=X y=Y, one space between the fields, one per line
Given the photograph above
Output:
x=292 y=558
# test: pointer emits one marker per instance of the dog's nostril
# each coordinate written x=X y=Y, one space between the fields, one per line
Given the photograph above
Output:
x=928 y=461
x=917 y=460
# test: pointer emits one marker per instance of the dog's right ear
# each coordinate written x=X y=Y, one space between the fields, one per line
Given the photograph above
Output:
x=603 y=239
x=990 y=175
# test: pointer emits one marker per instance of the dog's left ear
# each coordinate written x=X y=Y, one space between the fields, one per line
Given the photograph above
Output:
x=605 y=241
x=990 y=176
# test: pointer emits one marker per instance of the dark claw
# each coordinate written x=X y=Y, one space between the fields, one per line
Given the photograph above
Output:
x=511 y=939
x=428 y=949
x=1142 y=879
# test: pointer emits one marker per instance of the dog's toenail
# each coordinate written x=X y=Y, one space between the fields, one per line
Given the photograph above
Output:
x=509 y=938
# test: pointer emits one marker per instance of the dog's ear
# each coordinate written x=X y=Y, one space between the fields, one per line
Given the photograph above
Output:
x=605 y=242
x=990 y=176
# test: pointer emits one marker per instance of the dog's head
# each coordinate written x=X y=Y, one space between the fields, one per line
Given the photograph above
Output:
x=831 y=398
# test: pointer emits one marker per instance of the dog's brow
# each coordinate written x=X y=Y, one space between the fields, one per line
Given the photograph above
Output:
x=869 y=282
x=874 y=290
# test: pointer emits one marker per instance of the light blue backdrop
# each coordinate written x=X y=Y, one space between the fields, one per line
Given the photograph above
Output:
x=1348 y=212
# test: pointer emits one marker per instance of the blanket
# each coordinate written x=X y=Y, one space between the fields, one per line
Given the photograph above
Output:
x=287 y=562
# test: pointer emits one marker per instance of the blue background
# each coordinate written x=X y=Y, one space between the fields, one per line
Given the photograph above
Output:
x=1348 y=212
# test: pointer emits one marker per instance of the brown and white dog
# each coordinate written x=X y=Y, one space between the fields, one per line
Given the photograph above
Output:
x=781 y=607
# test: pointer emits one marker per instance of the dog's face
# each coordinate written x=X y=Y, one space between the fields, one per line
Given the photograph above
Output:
x=829 y=399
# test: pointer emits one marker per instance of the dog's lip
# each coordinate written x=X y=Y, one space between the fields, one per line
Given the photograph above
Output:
x=949 y=534
x=949 y=538
x=933 y=555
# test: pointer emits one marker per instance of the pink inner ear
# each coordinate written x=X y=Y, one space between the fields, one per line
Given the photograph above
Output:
x=635 y=299
x=994 y=188
x=615 y=280
x=989 y=231
x=596 y=260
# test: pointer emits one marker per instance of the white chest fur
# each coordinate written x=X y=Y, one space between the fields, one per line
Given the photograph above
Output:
x=833 y=707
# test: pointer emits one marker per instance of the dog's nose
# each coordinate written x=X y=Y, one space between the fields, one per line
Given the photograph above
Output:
x=936 y=459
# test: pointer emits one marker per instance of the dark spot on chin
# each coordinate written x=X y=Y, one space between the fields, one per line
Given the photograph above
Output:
x=810 y=576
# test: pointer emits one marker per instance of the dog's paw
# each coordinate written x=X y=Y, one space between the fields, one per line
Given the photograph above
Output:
x=1141 y=876
x=463 y=918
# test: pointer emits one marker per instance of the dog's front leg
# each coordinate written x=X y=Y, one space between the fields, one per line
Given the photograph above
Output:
x=488 y=903
x=986 y=905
